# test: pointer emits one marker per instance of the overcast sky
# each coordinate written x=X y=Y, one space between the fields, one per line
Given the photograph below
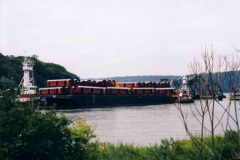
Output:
x=104 y=38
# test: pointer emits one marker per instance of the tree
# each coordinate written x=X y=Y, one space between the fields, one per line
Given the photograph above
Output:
x=1 y=56
x=11 y=69
x=26 y=133
x=6 y=83
x=208 y=79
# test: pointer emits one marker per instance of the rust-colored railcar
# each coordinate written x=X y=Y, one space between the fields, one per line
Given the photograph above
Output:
x=51 y=91
x=88 y=90
x=62 y=82
x=117 y=90
x=162 y=91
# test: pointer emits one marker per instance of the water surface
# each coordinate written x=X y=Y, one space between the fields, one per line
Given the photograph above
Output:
x=143 y=125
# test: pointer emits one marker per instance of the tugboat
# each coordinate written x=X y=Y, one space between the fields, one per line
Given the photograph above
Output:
x=28 y=90
x=184 y=92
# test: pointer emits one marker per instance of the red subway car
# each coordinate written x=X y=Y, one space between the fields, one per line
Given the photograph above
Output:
x=62 y=82
x=51 y=91
x=117 y=90
x=162 y=91
x=141 y=91
x=88 y=90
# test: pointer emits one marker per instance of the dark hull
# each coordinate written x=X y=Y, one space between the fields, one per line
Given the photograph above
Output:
x=92 y=101
x=219 y=97
x=187 y=101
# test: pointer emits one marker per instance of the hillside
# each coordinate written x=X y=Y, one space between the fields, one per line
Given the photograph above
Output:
x=11 y=71
x=144 y=78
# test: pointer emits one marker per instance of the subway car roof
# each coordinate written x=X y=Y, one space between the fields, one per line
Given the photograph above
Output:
x=142 y=88
x=59 y=80
x=118 y=88
x=164 y=88
x=125 y=82
x=91 y=87
x=50 y=88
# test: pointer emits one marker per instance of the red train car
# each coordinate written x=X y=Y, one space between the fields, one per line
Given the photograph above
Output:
x=119 y=85
x=141 y=91
x=148 y=91
x=163 y=91
x=88 y=90
x=98 y=83
x=126 y=84
x=51 y=91
x=117 y=90
x=137 y=91
x=98 y=90
x=62 y=82
x=163 y=84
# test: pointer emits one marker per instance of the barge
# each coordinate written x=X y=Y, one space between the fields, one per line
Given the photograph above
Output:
x=70 y=93
x=76 y=93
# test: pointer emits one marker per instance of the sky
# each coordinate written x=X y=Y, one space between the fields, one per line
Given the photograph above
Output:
x=106 y=38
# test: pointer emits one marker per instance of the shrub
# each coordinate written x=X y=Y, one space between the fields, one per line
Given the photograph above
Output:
x=26 y=133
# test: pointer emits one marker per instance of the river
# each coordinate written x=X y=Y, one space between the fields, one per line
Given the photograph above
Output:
x=144 y=125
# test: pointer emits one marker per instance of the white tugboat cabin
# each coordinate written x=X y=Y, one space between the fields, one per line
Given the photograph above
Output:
x=184 y=92
x=27 y=88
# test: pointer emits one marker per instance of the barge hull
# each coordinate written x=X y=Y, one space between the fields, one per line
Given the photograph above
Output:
x=93 y=101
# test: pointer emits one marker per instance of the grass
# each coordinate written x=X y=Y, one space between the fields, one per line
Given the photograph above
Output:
x=226 y=148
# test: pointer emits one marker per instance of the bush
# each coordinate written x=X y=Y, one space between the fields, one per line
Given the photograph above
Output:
x=81 y=135
x=170 y=149
x=29 y=134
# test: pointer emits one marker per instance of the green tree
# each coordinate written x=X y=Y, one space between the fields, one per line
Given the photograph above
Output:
x=6 y=83
x=26 y=133
x=11 y=69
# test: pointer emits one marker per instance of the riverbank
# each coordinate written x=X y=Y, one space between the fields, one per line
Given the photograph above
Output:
x=226 y=148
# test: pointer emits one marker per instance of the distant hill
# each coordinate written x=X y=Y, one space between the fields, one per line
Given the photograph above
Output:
x=143 y=78
x=11 y=71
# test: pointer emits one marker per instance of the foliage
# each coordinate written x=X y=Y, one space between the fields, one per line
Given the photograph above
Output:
x=26 y=133
x=81 y=135
x=6 y=83
x=170 y=149
x=11 y=71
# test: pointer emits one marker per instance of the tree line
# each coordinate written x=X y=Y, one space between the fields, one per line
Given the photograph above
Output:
x=11 y=71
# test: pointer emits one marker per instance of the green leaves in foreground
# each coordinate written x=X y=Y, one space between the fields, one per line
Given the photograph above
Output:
x=29 y=134
x=170 y=149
